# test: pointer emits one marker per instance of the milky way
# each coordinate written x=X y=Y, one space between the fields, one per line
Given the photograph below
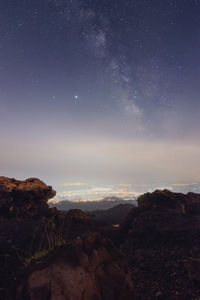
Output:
x=100 y=91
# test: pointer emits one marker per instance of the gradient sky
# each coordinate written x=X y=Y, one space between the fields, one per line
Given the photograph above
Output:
x=101 y=97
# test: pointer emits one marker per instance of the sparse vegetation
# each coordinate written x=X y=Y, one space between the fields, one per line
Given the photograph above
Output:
x=50 y=236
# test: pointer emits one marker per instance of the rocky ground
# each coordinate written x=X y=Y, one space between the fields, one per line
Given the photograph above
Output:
x=161 y=239
x=49 y=254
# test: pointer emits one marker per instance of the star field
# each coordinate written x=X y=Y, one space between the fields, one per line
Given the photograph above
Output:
x=74 y=73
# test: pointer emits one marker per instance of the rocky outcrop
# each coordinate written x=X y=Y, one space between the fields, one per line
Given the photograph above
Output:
x=163 y=200
x=50 y=251
x=77 y=223
x=87 y=268
x=193 y=204
x=161 y=239
x=50 y=254
x=167 y=200
x=77 y=216
x=24 y=199
x=26 y=225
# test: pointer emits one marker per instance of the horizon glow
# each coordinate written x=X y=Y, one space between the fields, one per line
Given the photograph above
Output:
x=97 y=94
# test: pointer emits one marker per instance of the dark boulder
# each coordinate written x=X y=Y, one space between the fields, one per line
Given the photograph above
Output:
x=89 y=267
x=159 y=238
x=24 y=199
x=163 y=200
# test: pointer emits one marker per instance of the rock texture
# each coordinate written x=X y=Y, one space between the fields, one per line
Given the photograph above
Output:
x=163 y=200
x=49 y=254
x=24 y=199
x=88 y=268
x=181 y=203
x=24 y=220
x=50 y=251
x=161 y=239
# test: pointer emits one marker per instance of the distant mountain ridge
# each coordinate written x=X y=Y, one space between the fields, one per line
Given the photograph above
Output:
x=103 y=204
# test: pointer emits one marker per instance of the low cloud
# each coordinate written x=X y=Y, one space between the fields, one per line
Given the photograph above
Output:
x=73 y=184
x=95 y=193
x=184 y=184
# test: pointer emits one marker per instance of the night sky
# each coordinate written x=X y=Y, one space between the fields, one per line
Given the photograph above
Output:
x=101 y=97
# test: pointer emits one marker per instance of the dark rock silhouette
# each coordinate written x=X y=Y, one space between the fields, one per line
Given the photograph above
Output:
x=114 y=215
x=163 y=200
x=168 y=200
x=77 y=215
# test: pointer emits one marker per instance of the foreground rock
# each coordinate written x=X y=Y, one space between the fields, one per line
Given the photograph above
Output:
x=161 y=239
x=49 y=254
x=87 y=268
x=46 y=248
x=24 y=199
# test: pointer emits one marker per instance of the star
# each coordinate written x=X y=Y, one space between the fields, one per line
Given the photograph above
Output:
x=76 y=98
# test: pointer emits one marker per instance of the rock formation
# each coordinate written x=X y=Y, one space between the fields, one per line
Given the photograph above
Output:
x=51 y=251
x=87 y=268
x=161 y=239
x=165 y=200
x=24 y=199
x=55 y=255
